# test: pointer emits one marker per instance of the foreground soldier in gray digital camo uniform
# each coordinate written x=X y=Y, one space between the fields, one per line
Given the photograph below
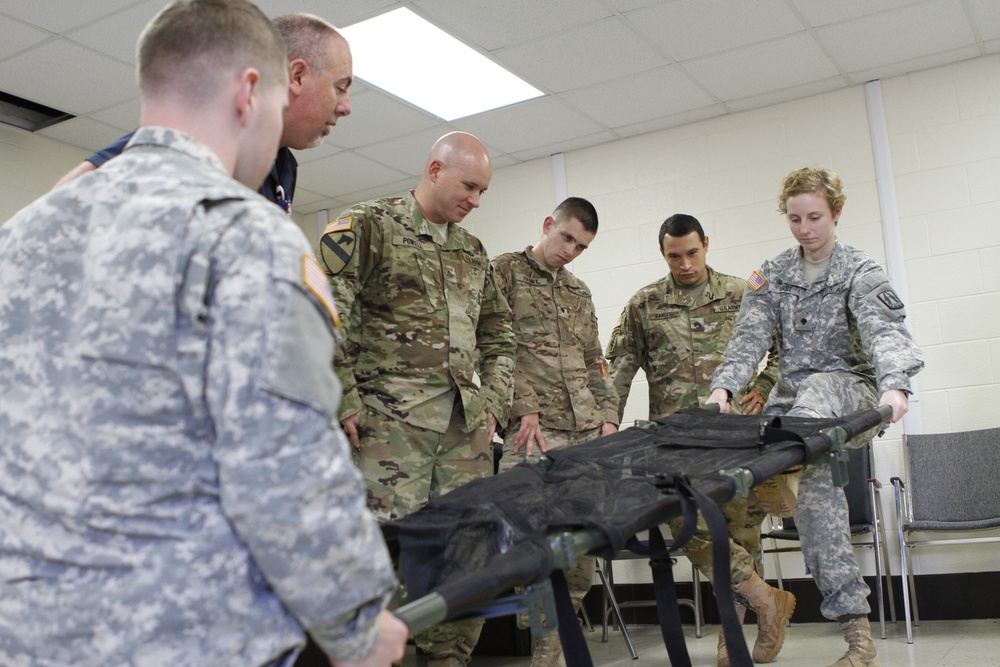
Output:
x=174 y=488
x=839 y=326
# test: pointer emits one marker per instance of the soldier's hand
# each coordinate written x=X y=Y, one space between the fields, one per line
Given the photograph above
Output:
x=350 y=426
x=720 y=397
x=607 y=428
x=493 y=426
x=389 y=648
x=529 y=433
x=752 y=402
x=897 y=400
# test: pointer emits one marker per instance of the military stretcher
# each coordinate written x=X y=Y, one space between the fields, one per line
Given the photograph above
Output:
x=498 y=545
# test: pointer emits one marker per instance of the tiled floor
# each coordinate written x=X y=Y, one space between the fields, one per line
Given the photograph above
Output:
x=936 y=643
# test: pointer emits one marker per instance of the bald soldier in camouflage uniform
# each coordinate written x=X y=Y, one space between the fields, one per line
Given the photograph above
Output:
x=562 y=394
x=174 y=488
x=421 y=302
x=840 y=328
x=675 y=329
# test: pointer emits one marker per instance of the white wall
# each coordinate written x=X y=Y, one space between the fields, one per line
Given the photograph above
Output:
x=944 y=127
x=30 y=164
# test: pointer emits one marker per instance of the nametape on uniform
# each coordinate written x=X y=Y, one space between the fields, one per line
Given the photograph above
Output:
x=343 y=224
x=316 y=282
x=756 y=281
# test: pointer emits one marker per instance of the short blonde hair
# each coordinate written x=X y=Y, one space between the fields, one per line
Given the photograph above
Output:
x=813 y=179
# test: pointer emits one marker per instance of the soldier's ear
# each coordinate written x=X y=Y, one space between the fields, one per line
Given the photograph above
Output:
x=705 y=244
x=547 y=224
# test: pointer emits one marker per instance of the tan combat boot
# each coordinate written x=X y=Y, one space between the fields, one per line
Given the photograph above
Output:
x=861 y=651
x=774 y=608
x=547 y=652
x=723 y=655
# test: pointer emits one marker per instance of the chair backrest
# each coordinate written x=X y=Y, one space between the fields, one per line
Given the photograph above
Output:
x=952 y=479
x=859 y=504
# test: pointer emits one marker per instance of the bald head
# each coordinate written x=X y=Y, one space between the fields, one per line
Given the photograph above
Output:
x=457 y=173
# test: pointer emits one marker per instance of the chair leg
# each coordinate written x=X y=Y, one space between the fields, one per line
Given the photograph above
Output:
x=901 y=536
x=608 y=583
x=586 y=618
x=913 y=595
x=877 y=547
x=699 y=617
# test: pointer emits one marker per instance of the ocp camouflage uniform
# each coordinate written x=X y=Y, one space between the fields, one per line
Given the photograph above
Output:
x=559 y=372
x=679 y=344
x=422 y=318
x=842 y=344
x=175 y=487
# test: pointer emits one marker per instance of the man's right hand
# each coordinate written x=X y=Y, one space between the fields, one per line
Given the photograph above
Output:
x=350 y=426
x=720 y=397
x=528 y=434
x=389 y=648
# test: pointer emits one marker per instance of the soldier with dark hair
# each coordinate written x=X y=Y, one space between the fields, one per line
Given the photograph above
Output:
x=676 y=329
x=562 y=395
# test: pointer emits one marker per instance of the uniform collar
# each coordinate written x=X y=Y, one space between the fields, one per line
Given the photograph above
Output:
x=539 y=268
x=175 y=140
x=674 y=295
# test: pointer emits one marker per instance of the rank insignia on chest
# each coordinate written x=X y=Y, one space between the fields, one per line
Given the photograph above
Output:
x=756 y=281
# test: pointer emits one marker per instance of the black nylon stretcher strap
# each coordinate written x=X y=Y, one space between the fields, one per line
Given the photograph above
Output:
x=570 y=633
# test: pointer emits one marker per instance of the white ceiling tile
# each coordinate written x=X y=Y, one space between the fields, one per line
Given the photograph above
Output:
x=823 y=12
x=986 y=16
x=667 y=122
x=685 y=30
x=583 y=56
x=340 y=13
x=914 y=65
x=407 y=154
x=762 y=68
x=326 y=149
x=68 y=77
x=18 y=36
x=82 y=132
x=376 y=116
x=786 y=95
x=117 y=35
x=566 y=145
x=499 y=23
x=897 y=36
x=344 y=172
x=124 y=116
x=665 y=91
x=59 y=15
x=536 y=122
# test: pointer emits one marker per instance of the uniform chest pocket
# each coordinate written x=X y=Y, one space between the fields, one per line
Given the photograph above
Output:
x=407 y=274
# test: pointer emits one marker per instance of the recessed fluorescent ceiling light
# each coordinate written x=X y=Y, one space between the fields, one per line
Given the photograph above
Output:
x=422 y=64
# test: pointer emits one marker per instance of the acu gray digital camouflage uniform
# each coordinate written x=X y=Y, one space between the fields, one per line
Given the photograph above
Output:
x=176 y=490
x=679 y=344
x=842 y=344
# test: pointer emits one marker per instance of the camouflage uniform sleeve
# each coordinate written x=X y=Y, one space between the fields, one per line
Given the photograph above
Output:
x=524 y=400
x=625 y=355
x=598 y=378
x=752 y=336
x=286 y=481
x=497 y=350
x=766 y=379
x=349 y=251
x=879 y=313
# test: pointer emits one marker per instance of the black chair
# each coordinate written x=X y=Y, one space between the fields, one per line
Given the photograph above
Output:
x=865 y=515
x=951 y=486
x=613 y=609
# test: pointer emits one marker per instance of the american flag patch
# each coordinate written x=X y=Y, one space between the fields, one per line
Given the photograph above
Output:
x=756 y=281
x=339 y=225
x=315 y=279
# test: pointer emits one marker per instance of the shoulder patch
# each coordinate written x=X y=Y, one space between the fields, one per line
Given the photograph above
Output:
x=756 y=281
x=619 y=322
x=316 y=282
x=336 y=247
x=341 y=224
x=889 y=299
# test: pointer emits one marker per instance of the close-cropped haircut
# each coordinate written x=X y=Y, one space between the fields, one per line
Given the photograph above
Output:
x=681 y=224
x=306 y=37
x=192 y=46
x=813 y=179
x=579 y=208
